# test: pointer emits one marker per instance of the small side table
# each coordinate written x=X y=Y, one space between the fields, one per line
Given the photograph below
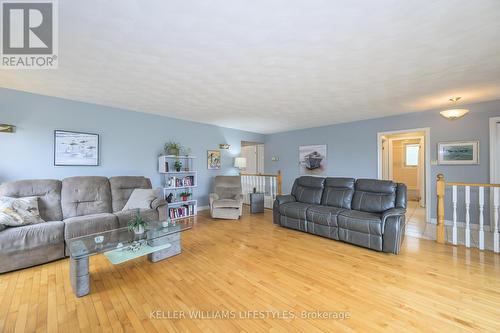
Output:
x=256 y=203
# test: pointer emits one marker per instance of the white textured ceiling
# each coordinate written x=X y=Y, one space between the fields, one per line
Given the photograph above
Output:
x=268 y=66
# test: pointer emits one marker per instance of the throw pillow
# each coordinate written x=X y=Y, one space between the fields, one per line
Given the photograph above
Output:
x=16 y=212
x=140 y=199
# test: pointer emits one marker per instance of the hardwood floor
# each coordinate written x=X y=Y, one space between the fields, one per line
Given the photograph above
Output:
x=252 y=265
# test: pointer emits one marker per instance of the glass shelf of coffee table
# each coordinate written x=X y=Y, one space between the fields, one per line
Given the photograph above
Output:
x=159 y=241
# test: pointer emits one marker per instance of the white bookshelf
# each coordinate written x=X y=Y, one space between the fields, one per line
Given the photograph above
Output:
x=177 y=181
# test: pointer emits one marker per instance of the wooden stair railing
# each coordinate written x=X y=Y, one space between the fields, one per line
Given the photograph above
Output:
x=441 y=185
x=269 y=184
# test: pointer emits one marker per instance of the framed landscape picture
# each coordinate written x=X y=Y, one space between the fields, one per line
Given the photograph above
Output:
x=75 y=148
x=213 y=159
x=312 y=160
x=458 y=153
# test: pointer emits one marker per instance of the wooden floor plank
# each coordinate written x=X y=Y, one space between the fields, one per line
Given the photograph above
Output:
x=252 y=265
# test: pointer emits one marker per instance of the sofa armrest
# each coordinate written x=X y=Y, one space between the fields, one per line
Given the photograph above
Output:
x=393 y=222
x=239 y=198
x=212 y=197
x=393 y=212
x=158 y=202
x=280 y=200
x=283 y=199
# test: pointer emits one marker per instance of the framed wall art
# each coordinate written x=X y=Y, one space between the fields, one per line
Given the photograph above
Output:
x=75 y=148
x=458 y=153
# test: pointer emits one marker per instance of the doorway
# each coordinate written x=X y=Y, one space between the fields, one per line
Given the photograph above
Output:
x=254 y=154
x=404 y=158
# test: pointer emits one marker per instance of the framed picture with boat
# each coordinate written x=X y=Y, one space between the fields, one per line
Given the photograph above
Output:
x=312 y=160
x=458 y=153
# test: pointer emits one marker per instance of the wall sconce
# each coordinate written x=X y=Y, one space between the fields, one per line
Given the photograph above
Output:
x=453 y=114
x=4 y=128
x=224 y=146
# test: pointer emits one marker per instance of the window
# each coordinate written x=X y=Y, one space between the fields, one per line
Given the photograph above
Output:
x=411 y=155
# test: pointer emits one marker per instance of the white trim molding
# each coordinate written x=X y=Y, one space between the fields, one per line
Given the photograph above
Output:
x=427 y=167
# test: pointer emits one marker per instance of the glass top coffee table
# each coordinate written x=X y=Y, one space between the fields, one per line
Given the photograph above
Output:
x=158 y=242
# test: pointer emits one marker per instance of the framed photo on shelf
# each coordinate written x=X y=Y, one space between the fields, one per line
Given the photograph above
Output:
x=213 y=159
x=76 y=148
x=458 y=153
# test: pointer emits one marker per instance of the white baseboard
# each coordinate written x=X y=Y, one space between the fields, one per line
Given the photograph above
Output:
x=430 y=233
x=473 y=226
x=200 y=208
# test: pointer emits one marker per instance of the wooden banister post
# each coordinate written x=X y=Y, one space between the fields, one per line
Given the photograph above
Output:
x=440 y=190
x=279 y=180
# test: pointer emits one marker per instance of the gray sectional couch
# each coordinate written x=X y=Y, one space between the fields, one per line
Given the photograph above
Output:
x=364 y=212
x=73 y=207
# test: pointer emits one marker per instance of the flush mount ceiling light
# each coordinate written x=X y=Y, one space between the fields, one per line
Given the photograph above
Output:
x=224 y=146
x=4 y=128
x=453 y=114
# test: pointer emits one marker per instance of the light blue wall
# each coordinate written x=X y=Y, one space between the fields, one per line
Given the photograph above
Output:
x=130 y=141
x=352 y=147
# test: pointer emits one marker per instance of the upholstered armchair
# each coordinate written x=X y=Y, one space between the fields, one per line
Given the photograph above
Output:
x=226 y=202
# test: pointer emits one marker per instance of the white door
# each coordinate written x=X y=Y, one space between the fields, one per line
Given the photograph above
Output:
x=497 y=157
x=421 y=172
x=385 y=159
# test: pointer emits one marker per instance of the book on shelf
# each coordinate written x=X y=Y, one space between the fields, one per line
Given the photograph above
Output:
x=183 y=211
x=180 y=181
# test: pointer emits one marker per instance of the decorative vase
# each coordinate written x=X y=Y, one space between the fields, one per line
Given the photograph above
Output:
x=184 y=198
x=178 y=169
x=139 y=230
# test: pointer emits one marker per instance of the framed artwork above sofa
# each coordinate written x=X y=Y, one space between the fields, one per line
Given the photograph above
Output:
x=76 y=148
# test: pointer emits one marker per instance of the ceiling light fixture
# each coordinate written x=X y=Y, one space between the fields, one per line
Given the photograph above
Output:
x=453 y=114
x=4 y=128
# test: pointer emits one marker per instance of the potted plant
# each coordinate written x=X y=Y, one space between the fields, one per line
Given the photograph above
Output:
x=137 y=224
x=185 y=195
x=178 y=165
x=173 y=148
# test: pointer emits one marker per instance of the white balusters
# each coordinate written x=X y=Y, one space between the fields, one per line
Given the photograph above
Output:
x=481 y=218
x=454 y=230
x=496 y=200
x=478 y=220
x=467 y=216
x=267 y=184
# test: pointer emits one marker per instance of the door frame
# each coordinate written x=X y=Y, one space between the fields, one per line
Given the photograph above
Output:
x=494 y=178
x=427 y=164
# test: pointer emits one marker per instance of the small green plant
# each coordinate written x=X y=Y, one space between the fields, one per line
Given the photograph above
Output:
x=173 y=148
x=178 y=165
x=137 y=222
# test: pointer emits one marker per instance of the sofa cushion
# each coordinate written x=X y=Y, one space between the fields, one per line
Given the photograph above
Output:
x=124 y=216
x=226 y=203
x=227 y=187
x=123 y=186
x=364 y=222
x=16 y=212
x=85 y=196
x=89 y=224
x=338 y=192
x=308 y=189
x=296 y=210
x=31 y=236
x=323 y=215
x=140 y=199
x=374 y=196
x=48 y=192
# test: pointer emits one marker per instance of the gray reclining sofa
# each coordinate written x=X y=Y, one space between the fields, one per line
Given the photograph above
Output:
x=73 y=207
x=364 y=212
